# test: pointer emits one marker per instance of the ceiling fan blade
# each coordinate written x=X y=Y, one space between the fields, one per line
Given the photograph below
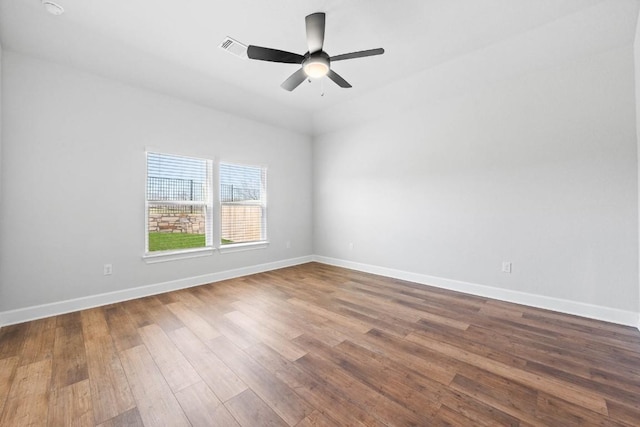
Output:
x=315 y=31
x=360 y=54
x=294 y=80
x=273 y=55
x=337 y=79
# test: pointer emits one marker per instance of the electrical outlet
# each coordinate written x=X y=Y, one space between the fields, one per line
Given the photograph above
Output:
x=108 y=270
x=506 y=267
x=288 y=244
x=351 y=246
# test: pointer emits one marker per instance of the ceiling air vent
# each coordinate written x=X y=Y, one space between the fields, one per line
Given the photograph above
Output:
x=234 y=47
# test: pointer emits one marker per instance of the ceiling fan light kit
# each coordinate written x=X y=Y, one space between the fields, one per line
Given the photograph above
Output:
x=316 y=63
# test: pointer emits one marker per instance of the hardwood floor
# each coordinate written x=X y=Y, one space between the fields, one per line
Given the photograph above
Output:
x=316 y=345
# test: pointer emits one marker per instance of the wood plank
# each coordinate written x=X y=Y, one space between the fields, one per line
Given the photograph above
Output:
x=121 y=328
x=377 y=319
x=250 y=411
x=390 y=378
x=577 y=395
x=282 y=399
x=316 y=419
x=222 y=380
x=448 y=417
x=39 y=342
x=28 y=400
x=177 y=371
x=271 y=338
x=518 y=401
x=399 y=309
x=94 y=323
x=481 y=413
x=130 y=418
x=150 y=310
x=69 y=356
x=473 y=341
x=623 y=413
x=227 y=328
x=203 y=407
x=328 y=399
x=187 y=297
x=138 y=312
x=110 y=391
x=12 y=339
x=269 y=319
x=155 y=402
x=321 y=328
x=353 y=324
x=606 y=391
x=551 y=408
x=8 y=368
x=500 y=312
x=364 y=395
x=200 y=327
x=415 y=357
x=162 y=316
x=71 y=405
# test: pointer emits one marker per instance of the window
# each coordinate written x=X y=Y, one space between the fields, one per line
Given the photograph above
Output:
x=243 y=204
x=178 y=203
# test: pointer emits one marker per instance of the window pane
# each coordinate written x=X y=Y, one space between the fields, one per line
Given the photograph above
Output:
x=243 y=203
x=241 y=223
x=176 y=178
x=178 y=202
x=176 y=227
x=240 y=183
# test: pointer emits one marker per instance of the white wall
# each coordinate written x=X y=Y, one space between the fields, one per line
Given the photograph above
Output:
x=74 y=171
x=1 y=180
x=636 y=52
x=539 y=170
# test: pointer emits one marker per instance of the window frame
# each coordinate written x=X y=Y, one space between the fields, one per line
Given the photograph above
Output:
x=262 y=202
x=207 y=205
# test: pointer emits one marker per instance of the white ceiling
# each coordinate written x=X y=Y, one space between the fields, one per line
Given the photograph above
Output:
x=172 y=46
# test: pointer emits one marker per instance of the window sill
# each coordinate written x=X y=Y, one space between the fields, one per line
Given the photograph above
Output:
x=153 y=258
x=239 y=247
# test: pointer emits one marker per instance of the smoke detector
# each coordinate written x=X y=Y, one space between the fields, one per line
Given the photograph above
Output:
x=53 y=8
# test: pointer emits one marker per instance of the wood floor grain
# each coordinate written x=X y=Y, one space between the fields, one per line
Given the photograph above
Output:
x=316 y=345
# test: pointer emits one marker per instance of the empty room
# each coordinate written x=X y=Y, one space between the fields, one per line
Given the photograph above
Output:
x=319 y=213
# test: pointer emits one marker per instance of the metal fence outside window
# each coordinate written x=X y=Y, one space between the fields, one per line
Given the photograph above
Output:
x=175 y=189
x=234 y=193
x=160 y=189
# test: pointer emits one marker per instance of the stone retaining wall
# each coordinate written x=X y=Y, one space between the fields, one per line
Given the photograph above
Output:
x=177 y=223
x=238 y=223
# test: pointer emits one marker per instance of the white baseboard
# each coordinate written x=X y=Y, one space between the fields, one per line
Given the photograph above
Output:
x=622 y=317
x=628 y=318
x=62 y=307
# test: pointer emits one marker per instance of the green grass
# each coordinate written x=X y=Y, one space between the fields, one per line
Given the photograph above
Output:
x=173 y=241
x=176 y=241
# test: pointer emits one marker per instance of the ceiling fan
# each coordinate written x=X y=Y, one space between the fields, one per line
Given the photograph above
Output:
x=316 y=62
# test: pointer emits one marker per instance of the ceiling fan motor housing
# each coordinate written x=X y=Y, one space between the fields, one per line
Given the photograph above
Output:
x=316 y=64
